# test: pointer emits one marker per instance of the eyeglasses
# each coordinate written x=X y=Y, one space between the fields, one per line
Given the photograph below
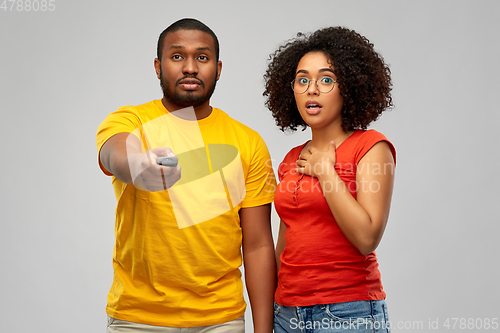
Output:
x=324 y=84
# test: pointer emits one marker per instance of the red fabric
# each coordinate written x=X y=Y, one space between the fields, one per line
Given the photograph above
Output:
x=319 y=265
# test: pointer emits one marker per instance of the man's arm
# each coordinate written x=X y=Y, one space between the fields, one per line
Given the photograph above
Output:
x=121 y=155
x=280 y=245
x=260 y=265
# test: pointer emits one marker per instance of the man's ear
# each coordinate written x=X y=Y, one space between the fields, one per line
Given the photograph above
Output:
x=219 y=69
x=157 y=67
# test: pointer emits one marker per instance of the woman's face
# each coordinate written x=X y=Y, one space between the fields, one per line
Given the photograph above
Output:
x=318 y=108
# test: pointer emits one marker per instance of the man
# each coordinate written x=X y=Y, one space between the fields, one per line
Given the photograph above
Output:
x=179 y=229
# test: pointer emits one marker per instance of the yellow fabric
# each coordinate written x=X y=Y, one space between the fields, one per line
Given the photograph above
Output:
x=177 y=253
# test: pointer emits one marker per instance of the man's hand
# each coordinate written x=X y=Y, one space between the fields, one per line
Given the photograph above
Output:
x=121 y=155
x=147 y=175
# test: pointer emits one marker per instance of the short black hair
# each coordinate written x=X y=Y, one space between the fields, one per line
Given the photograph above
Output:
x=186 y=24
x=363 y=76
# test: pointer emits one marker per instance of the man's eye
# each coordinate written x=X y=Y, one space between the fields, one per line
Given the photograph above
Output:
x=203 y=57
x=176 y=57
x=302 y=80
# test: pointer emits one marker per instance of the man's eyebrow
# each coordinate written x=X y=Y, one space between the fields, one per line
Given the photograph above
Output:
x=204 y=48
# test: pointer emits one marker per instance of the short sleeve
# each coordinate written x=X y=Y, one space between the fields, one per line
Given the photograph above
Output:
x=366 y=142
x=260 y=183
x=124 y=120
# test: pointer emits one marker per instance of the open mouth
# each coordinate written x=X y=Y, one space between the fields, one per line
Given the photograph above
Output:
x=313 y=107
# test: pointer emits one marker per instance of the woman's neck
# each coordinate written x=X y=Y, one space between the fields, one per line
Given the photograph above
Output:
x=322 y=137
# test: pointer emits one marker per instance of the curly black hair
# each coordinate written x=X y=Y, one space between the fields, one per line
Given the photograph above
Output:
x=363 y=77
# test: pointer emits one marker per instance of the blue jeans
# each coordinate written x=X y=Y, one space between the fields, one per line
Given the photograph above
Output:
x=359 y=316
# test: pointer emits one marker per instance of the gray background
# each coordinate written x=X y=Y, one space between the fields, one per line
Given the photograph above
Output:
x=62 y=72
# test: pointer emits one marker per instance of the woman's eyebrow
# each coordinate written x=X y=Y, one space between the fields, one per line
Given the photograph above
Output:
x=326 y=70
x=320 y=71
x=302 y=71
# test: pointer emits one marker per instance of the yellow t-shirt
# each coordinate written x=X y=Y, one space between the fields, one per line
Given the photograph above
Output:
x=177 y=253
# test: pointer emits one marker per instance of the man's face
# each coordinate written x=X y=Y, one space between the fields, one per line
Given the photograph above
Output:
x=188 y=70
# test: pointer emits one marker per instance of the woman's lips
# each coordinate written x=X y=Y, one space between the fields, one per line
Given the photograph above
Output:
x=313 y=107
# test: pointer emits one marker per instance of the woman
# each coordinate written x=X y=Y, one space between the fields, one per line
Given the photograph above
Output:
x=335 y=190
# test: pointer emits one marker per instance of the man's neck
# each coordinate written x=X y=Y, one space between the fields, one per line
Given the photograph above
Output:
x=201 y=112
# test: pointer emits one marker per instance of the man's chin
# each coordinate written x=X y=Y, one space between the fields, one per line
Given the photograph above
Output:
x=187 y=98
x=187 y=102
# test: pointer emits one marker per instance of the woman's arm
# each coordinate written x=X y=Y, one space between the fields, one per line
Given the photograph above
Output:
x=362 y=220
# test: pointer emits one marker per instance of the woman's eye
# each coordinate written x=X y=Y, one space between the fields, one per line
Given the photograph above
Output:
x=302 y=80
x=326 y=80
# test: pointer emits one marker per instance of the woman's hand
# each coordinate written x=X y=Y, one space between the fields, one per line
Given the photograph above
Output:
x=315 y=163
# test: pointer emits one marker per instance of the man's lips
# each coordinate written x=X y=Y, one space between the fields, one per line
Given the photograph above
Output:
x=190 y=83
x=313 y=107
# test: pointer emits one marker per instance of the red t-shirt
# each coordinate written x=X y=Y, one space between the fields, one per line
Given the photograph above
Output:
x=319 y=265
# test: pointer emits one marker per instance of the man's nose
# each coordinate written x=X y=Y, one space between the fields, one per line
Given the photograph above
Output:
x=190 y=66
